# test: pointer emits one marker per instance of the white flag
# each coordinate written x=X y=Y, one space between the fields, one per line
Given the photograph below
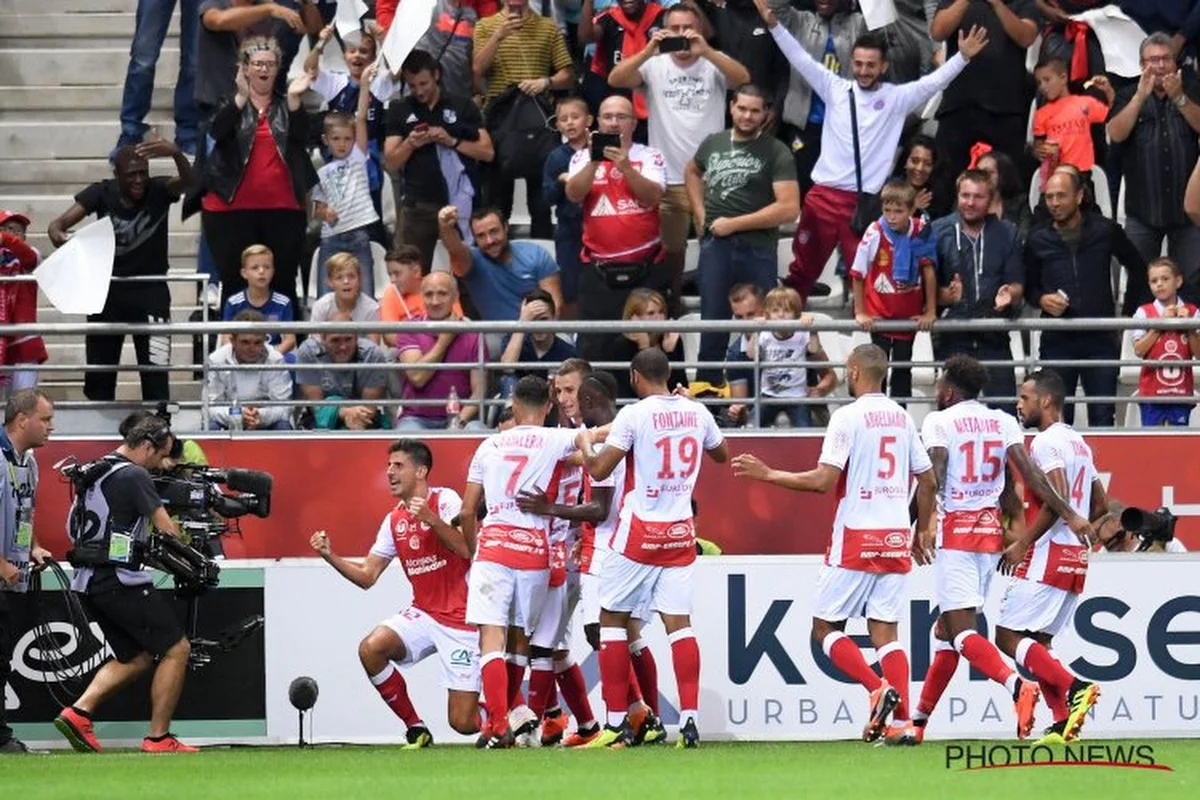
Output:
x=878 y=13
x=348 y=20
x=77 y=275
x=408 y=26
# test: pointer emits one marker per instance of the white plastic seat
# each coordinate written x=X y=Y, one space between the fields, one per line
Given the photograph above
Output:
x=691 y=346
x=923 y=352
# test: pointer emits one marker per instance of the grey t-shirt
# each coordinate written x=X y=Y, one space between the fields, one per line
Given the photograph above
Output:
x=132 y=498
x=365 y=309
x=346 y=383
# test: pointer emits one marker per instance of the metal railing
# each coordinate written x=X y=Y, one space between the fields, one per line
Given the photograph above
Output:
x=482 y=362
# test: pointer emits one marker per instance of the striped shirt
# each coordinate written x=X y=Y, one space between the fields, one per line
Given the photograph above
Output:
x=537 y=50
x=343 y=184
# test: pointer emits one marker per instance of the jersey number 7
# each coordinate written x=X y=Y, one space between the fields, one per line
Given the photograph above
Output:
x=519 y=463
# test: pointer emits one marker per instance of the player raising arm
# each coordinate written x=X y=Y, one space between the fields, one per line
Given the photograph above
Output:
x=420 y=533
x=512 y=555
x=871 y=452
x=654 y=544
x=1049 y=564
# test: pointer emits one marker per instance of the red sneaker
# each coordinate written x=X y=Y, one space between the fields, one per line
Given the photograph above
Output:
x=883 y=701
x=553 y=729
x=78 y=731
x=167 y=744
x=1026 y=703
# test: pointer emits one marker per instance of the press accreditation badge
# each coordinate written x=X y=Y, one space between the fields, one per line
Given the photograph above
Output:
x=120 y=548
x=24 y=535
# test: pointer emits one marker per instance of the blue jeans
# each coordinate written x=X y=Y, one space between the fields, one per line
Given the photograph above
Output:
x=723 y=264
x=153 y=17
x=798 y=416
x=358 y=244
x=568 y=241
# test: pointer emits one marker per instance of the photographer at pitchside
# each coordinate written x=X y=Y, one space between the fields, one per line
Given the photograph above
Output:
x=109 y=525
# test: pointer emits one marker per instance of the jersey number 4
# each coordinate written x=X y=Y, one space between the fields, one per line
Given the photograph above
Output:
x=688 y=451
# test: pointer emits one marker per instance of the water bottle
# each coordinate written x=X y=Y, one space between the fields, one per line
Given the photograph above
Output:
x=453 y=409
x=235 y=410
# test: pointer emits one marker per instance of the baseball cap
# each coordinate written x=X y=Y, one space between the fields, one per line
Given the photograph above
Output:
x=5 y=216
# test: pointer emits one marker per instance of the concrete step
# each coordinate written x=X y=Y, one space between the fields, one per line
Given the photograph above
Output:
x=41 y=176
x=67 y=26
x=79 y=67
x=69 y=6
x=80 y=98
x=64 y=351
x=53 y=140
x=129 y=390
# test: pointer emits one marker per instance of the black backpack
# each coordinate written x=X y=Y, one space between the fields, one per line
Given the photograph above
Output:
x=522 y=132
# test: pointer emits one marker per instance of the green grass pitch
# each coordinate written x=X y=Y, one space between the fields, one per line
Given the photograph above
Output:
x=730 y=770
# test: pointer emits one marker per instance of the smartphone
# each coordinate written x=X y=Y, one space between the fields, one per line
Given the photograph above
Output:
x=674 y=44
x=420 y=127
x=601 y=141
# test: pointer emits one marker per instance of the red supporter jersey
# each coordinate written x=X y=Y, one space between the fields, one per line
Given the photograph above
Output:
x=883 y=296
x=437 y=574
x=524 y=458
x=665 y=438
x=616 y=226
x=976 y=440
x=1170 y=346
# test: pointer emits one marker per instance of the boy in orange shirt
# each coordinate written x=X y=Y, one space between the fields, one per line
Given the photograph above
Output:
x=402 y=299
x=1062 y=131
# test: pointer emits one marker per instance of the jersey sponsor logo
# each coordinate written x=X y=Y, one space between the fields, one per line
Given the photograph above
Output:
x=895 y=540
x=460 y=657
x=522 y=537
x=414 y=541
x=679 y=530
x=603 y=208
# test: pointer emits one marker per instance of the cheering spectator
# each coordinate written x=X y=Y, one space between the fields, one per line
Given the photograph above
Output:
x=258 y=173
x=980 y=276
x=138 y=206
x=742 y=186
x=1158 y=119
x=342 y=196
x=434 y=140
x=18 y=304
x=1069 y=275
x=1062 y=126
x=1165 y=279
x=258 y=268
x=450 y=388
x=620 y=189
x=685 y=99
x=347 y=296
x=542 y=348
x=917 y=162
x=149 y=34
x=239 y=389
x=880 y=109
x=895 y=278
x=739 y=31
x=800 y=345
x=366 y=383
x=225 y=28
x=574 y=120
x=402 y=299
x=497 y=272
x=519 y=51
x=990 y=102
x=827 y=33
x=643 y=304
x=620 y=31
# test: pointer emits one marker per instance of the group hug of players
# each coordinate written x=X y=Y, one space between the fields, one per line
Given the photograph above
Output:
x=598 y=513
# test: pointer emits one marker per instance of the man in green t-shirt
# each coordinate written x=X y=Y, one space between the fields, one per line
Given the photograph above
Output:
x=742 y=187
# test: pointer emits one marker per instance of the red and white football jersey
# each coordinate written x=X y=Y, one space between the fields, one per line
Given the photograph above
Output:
x=976 y=439
x=525 y=458
x=596 y=539
x=1058 y=558
x=874 y=442
x=437 y=574
x=563 y=532
x=664 y=437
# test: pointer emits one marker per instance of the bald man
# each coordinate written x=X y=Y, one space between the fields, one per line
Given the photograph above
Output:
x=620 y=187
x=873 y=446
x=427 y=400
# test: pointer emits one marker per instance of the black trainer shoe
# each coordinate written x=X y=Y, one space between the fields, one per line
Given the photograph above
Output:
x=651 y=732
x=689 y=736
x=13 y=746
x=418 y=737
x=502 y=741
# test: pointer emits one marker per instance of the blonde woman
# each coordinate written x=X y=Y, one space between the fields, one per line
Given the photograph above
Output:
x=649 y=305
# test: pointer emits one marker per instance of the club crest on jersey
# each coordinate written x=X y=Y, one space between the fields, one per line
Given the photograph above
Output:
x=414 y=541
x=401 y=527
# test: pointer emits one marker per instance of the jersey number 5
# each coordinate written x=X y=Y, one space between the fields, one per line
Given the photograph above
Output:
x=688 y=451
x=888 y=470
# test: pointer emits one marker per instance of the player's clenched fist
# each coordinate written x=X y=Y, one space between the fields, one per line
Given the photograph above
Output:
x=448 y=216
x=420 y=509
x=750 y=466
x=320 y=543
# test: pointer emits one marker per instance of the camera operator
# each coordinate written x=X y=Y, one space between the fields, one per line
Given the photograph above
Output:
x=109 y=524
x=28 y=422
x=1114 y=538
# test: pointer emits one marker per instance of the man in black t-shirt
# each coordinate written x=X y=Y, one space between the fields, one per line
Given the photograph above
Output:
x=989 y=101
x=113 y=516
x=434 y=140
x=138 y=206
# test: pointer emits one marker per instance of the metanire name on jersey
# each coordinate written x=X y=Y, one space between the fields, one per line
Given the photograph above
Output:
x=674 y=420
x=886 y=419
x=423 y=564
x=976 y=425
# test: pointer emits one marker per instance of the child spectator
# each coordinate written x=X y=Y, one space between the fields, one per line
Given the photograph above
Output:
x=1165 y=279
x=258 y=270
x=18 y=304
x=347 y=297
x=543 y=348
x=342 y=197
x=1062 y=126
x=782 y=303
x=229 y=389
x=894 y=275
x=574 y=122
x=402 y=299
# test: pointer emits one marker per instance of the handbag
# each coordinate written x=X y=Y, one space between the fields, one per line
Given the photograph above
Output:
x=868 y=206
x=622 y=274
x=521 y=129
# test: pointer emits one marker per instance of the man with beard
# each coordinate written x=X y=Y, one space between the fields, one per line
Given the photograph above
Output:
x=980 y=276
x=970 y=445
x=138 y=206
x=742 y=187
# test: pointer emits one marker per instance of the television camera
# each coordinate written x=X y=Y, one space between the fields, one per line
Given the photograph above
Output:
x=1149 y=526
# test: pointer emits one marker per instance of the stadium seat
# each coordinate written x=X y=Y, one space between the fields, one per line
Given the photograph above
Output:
x=923 y=352
x=1128 y=376
x=379 y=257
x=1103 y=198
x=691 y=346
x=388 y=201
x=441 y=259
x=691 y=260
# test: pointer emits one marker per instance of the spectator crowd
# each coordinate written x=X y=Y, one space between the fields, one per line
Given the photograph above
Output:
x=960 y=163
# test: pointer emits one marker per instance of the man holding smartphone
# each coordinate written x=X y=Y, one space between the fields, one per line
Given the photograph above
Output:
x=620 y=185
x=685 y=81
